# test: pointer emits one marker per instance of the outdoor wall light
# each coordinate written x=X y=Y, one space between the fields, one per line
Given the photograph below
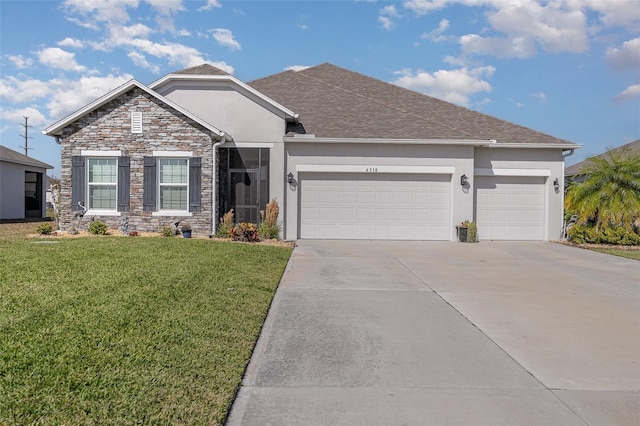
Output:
x=464 y=180
x=290 y=178
x=556 y=185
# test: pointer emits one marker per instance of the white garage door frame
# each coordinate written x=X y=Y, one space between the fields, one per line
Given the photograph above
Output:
x=374 y=170
x=507 y=172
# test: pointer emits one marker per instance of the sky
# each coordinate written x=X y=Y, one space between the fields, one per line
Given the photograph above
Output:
x=569 y=68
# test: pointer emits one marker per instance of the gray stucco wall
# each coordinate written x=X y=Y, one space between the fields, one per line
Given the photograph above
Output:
x=12 y=189
x=380 y=154
x=164 y=129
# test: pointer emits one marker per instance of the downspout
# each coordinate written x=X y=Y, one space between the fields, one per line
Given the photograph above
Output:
x=214 y=182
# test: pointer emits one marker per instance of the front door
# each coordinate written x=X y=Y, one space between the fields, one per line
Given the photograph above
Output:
x=32 y=194
x=244 y=192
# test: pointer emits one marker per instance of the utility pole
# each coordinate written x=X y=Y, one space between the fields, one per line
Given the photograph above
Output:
x=26 y=136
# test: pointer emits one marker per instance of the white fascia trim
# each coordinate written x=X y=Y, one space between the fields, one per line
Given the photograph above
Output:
x=249 y=145
x=225 y=78
x=177 y=213
x=568 y=145
x=512 y=172
x=93 y=153
x=348 y=168
x=56 y=128
x=186 y=154
x=461 y=142
x=98 y=212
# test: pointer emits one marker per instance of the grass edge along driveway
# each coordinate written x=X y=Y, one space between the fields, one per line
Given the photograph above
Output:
x=112 y=330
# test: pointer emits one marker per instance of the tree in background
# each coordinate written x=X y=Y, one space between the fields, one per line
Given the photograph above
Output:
x=609 y=197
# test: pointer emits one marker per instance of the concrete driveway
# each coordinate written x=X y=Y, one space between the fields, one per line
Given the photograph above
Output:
x=495 y=333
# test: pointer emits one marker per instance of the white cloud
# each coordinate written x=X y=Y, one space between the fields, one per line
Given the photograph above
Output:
x=437 y=34
x=71 y=42
x=617 y=13
x=141 y=61
x=540 y=96
x=101 y=10
x=455 y=86
x=625 y=57
x=303 y=27
x=519 y=105
x=71 y=95
x=20 y=61
x=387 y=17
x=36 y=118
x=224 y=37
x=166 y=7
x=55 y=57
x=297 y=68
x=518 y=47
x=18 y=90
x=628 y=94
x=211 y=4
x=223 y=66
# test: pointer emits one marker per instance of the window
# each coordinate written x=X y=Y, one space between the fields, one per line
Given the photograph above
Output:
x=174 y=183
x=103 y=178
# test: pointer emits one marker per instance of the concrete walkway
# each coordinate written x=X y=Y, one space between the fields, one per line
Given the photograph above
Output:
x=420 y=333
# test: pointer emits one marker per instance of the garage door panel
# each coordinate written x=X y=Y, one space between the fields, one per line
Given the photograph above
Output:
x=380 y=206
x=510 y=207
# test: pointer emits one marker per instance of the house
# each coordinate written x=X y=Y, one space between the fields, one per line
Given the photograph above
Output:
x=575 y=172
x=345 y=155
x=22 y=185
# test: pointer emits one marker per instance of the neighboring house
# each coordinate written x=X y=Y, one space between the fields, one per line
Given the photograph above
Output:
x=345 y=155
x=22 y=185
x=575 y=173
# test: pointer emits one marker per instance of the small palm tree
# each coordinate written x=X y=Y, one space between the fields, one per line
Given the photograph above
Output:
x=610 y=194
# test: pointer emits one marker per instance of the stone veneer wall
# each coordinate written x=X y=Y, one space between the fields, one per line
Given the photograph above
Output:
x=108 y=128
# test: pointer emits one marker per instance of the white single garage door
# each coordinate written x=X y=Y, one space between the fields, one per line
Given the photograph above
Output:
x=510 y=207
x=375 y=206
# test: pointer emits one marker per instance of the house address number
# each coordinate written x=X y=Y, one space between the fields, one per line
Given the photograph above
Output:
x=372 y=170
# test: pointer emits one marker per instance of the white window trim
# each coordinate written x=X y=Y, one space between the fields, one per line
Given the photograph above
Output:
x=173 y=154
x=179 y=213
x=373 y=168
x=101 y=212
x=513 y=172
x=93 y=153
x=159 y=211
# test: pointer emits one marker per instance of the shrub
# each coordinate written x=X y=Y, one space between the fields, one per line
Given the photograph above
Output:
x=472 y=232
x=98 y=228
x=246 y=232
x=166 y=231
x=44 y=229
x=269 y=227
x=583 y=234
x=226 y=225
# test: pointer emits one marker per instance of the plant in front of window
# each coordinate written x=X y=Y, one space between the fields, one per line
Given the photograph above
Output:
x=166 y=231
x=226 y=225
x=269 y=227
x=98 y=228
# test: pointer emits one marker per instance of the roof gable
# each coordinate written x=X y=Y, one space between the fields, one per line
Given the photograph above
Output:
x=11 y=156
x=204 y=69
x=335 y=102
x=630 y=148
x=56 y=128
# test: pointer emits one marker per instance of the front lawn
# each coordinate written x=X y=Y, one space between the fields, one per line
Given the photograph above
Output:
x=123 y=330
x=629 y=254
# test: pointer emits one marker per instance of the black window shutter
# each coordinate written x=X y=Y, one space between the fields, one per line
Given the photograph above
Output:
x=150 y=188
x=195 y=184
x=78 y=182
x=124 y=184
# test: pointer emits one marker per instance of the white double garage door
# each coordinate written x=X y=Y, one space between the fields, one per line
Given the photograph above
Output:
x=415 y=206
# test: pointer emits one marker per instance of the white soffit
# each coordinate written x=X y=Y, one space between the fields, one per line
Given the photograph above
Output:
x=349 y=168
x=512 y=172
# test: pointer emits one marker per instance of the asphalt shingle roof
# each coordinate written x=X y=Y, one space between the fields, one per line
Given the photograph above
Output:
x=12 y=156
x=631 y=147
x=204 y=69
x=337 y=103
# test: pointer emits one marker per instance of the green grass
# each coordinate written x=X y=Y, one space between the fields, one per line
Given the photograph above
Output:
x=114 y=330
x=629 y=254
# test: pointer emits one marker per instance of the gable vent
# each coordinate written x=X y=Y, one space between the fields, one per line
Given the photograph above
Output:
x=136 y=122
